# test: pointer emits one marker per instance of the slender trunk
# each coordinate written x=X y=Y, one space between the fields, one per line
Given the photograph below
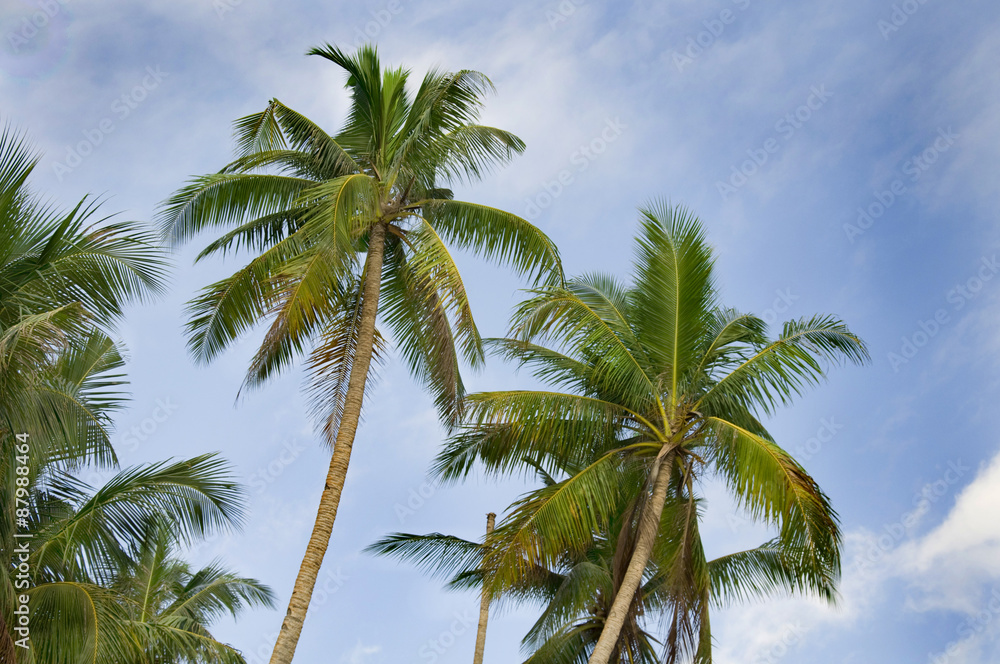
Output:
x=484 y=605
x=648 y=527
x=291 y=627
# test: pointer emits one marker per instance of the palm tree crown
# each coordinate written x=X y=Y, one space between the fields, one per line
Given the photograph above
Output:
x=349 y=228
x=663 y=386
x=314 y=211
x=63 y=276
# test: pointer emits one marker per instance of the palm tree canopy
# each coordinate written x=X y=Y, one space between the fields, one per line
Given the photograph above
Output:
x=104 y=586
x=65 y=279
x=655 y=371
x=174 y=606
x=575 y=595
x=90 y=547
x=306 y=203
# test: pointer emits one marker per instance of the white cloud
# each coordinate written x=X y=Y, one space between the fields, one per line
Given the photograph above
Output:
x=954 y=568
x=951 y=563
x=360 y=653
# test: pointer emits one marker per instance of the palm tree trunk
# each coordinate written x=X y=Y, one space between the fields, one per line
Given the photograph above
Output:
x=298 y=605
x=484 y=605
x=648 y=527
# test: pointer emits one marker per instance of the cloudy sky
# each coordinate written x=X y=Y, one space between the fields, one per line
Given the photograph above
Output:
x=842 y=154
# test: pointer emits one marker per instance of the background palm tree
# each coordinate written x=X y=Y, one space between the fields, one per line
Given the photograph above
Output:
x=88 y=546
x=103 y=586
x=576 y=593
x=666 y=385
x=348 y=227
x=65 y=279
x=62 y=275
x=173 y=606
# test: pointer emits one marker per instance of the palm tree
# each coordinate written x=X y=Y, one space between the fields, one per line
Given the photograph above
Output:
x=576 y=593
x=61 y=276
x=662 y=379
x=87 y=546
x=175 y=606
x=82 y=538
x=102 y=587
x=484 y=606
x=349 y=227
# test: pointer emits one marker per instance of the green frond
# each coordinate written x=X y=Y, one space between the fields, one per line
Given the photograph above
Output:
x=221 y=199
x=497 y=236
x=772 y=569
x=585 y=322
x=257 y=234
x=329 y=366
x=343 y=207
x=548 y=523
x=307 y=294
x=329 y=158
x=549 y=366
x=771 y=486
x=438 y=555
x=258 y=132
x=582 y=586
x=785 y=367
x=412 y=307
x=502 y=429
x=225 y=310
x=473 y=151
x=197 y=497
x=673 y=295
x=431 y=263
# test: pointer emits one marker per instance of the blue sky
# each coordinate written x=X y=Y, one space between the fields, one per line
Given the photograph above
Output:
x=842 y=154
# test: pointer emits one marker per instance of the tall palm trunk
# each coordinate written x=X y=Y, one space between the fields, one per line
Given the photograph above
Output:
x=648 y=527
x=484 y=605
x=291 y=627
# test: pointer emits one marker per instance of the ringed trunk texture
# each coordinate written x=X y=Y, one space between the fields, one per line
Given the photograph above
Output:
x=648 y=527
x=484 y=605
x=291 y=627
